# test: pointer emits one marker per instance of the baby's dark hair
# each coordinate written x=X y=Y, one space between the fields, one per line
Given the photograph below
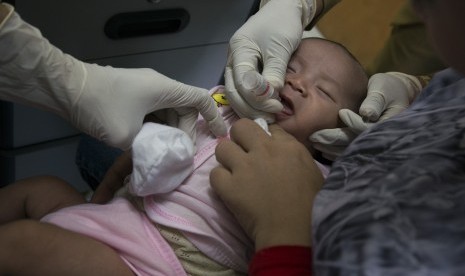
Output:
x=343 y=48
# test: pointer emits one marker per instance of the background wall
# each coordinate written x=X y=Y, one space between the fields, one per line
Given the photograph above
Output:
x=360 y=25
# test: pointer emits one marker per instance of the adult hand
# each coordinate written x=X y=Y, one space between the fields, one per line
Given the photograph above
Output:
x=268 y=183
x=107 y=103
x=388 y=94
x=127 y=95
x=267 y=40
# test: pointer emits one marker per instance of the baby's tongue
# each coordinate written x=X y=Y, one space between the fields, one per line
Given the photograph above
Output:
x=286 y=109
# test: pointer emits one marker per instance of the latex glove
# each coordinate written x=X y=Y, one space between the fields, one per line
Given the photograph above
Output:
x=107 y=103
x=388 y=94
x=268 y=183
x=332 y=142
x=267 y=40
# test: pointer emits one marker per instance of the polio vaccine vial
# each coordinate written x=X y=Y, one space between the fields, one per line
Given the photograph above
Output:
x=256 y=83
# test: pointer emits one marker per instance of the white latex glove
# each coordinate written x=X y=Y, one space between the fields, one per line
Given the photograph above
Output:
x=332 y=142
x=105 y=102
x=388 y=94
x=267 y=40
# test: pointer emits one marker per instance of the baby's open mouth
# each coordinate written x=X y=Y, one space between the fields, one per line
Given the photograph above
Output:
x=288 y=107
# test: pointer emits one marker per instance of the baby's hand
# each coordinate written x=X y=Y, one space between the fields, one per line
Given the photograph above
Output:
x=114 y=179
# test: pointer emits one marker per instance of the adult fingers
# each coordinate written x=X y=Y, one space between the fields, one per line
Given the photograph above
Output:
x=229 y=154
x=247 y=134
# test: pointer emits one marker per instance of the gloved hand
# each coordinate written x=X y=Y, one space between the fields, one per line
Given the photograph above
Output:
x=266 y=40
x=332 y=142
x=107 y=103
x=388 y=94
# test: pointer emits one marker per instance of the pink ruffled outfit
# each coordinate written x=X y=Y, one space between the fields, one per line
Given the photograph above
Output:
x=192 y=208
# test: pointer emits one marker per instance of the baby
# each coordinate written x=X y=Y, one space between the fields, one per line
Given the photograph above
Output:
x=172 y=223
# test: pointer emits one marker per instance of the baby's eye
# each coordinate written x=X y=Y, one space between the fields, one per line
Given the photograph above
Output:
x=325 y=94
x=289 y=70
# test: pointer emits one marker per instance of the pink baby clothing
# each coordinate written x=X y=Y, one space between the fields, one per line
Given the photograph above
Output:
x=127 y=230
x=191 y=207
x=195 y=210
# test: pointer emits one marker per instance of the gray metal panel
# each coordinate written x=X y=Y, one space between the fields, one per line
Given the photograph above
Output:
x=77 y=26
x=198 y=66
x=26 y=126
x=47 y=159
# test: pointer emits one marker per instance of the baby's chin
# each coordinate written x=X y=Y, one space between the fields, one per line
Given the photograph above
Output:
x=288 y=127
x=282 y=118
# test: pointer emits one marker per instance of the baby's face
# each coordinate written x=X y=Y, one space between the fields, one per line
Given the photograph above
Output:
x=320 y=80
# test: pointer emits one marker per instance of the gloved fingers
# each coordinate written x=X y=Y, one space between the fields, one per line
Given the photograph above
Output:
x=187 y=120
x=388 y=94
x=184 y=118
x=240 y=106
x=242 y=59
x=251 y=99
x=170 y=116
x=353 y=121
x=332 y=142
x=373 y=105
x=270 y=105
x=333 y=137
x=243 y=52
x=392 y=111
x=200 y=100
x=158 y=117
x=274 y=70
x=245 y=57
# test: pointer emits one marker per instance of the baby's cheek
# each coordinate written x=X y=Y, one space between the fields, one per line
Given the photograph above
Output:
x=330 y=120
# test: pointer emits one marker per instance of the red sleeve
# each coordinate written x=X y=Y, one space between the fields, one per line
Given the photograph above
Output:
x=282 y=260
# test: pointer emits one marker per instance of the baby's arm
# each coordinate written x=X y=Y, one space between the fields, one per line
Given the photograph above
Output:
x=114 y=178
x=35 y=197
x=35 y=248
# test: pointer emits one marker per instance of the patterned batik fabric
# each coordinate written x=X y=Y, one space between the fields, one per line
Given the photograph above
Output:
x=394 y=203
